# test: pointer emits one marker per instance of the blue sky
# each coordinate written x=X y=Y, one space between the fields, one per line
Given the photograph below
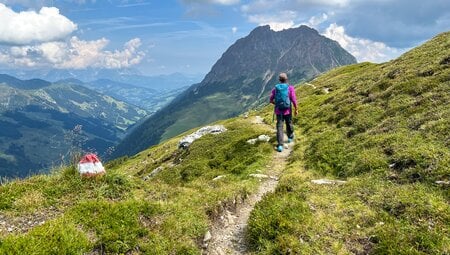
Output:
x=188 y=36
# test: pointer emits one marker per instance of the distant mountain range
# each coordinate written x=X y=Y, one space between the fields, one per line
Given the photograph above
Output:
x=147 y=98
x=130 y=76
x=37 y=115
x=36 y=118
x=241 y=79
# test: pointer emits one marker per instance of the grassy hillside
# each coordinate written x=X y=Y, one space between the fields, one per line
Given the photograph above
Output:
x=386 y=130
x=125 y=212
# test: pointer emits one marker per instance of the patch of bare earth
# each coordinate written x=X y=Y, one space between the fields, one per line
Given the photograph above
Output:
x=21 y=224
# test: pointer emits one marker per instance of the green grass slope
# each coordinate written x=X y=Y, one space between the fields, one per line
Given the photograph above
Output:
x=124 y=212
x=386 y=130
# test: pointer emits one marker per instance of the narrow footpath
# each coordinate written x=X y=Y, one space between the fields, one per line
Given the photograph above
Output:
x=228 y=237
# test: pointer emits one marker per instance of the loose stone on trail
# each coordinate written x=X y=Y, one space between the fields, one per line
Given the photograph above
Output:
x=327 y=182
x=186 y=141
x=219 y=177
x=153 y=173
x=263 y=176
x=261 y=138
x=258 y=120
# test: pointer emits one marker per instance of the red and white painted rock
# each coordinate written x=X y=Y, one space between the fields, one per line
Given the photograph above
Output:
x=90 y=165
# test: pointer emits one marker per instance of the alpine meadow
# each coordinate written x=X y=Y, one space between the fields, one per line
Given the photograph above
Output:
x=368 y=173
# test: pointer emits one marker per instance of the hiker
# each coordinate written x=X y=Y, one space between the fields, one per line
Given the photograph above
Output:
x=283 y=97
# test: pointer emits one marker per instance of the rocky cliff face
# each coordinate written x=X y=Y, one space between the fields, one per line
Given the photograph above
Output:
x=241 y=79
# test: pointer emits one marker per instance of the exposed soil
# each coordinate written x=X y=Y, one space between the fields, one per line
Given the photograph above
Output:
x=22 y=224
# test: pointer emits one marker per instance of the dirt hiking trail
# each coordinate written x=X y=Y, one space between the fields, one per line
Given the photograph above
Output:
x=228 y=236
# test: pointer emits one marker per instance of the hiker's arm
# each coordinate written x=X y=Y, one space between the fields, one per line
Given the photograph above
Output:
x=272 y=96
x=293 y=98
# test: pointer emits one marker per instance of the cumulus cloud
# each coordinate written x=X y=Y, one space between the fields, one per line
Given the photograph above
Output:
x=74 y=54
x=26 y=27
x=277 y=22
x=362 y=49
x=284 y=14
x=314 y=21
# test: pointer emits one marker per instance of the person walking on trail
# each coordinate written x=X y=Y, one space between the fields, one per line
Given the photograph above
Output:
x=283 y=97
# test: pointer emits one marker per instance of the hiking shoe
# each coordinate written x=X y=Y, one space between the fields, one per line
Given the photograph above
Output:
x=290 y=139
x=280 y=148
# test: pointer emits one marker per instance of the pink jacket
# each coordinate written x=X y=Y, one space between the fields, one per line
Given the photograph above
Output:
x=292 y=97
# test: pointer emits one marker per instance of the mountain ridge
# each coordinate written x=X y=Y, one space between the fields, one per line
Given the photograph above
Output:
x=23 y=84
x=130 y=76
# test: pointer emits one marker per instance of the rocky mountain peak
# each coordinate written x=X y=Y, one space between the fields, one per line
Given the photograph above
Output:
x=301 y=51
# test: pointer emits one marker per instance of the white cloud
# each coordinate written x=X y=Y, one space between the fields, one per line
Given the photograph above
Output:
x=277 y=22
x=41 y=3
x=336 y=3
x=19 y=28
x=362 y=49
x=234 y=30
x=129 y=56
x=314 y=21
x=220 y=2
x=74 y=54
x=284 y=14
x=224 y=2
x=81 y=54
